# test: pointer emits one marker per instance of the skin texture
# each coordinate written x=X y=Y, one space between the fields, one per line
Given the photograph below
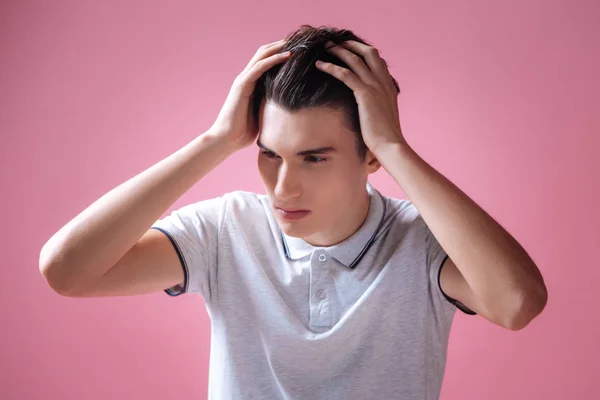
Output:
x=332 y=184
x=487 y=269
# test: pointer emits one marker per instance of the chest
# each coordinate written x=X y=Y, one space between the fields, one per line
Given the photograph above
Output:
x=318 y=292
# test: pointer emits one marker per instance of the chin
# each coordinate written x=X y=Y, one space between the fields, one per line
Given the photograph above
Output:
x=295 y=229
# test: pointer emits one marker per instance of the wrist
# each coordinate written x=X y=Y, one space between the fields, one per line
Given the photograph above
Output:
x=219 y=142
x=385 y=148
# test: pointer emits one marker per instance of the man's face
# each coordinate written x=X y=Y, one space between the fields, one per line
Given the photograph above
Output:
x=308 y=161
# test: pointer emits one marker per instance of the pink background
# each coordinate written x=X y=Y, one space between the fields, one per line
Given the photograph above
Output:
x=501 y=98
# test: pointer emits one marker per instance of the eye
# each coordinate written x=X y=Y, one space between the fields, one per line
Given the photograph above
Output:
x=268 y=154
x=315 y=159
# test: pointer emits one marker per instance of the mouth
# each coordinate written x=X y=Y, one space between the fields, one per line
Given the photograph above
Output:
x=291 y=210
x=292 y=215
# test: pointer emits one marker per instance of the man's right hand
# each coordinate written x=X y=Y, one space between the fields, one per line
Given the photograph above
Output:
x=234 y=123
x=108 y=248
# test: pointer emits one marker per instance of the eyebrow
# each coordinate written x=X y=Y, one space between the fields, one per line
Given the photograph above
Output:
x=320 y=150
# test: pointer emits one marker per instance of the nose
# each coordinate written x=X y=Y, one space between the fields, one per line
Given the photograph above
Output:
x=288 y=185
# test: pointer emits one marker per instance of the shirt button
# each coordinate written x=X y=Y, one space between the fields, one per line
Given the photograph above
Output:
x=322 y=257
x=320 y=294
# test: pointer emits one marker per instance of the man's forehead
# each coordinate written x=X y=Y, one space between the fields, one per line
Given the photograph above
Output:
x=305 y=120
x=302 y=129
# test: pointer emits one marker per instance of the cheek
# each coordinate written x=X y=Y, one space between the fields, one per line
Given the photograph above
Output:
x=267 y=172
x=343 y=175
x=338 y=186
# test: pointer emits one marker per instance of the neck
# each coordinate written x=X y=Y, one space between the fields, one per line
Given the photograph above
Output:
x=345 y=227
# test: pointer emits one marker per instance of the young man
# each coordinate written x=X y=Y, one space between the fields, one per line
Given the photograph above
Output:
x=322 y=288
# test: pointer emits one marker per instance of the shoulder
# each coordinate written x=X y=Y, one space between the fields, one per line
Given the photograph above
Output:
x=241 y=201
x=218 y=209
x=230 y=201
x=244 y=209
x=403 y=223
x=401 y=211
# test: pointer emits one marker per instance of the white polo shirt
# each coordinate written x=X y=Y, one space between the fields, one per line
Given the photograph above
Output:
x=364 y=319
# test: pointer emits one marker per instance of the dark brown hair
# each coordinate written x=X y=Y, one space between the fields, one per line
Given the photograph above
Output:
x=297 y=83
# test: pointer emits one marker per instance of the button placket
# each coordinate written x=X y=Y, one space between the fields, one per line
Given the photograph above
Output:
x=320 y=293
x=320 y=314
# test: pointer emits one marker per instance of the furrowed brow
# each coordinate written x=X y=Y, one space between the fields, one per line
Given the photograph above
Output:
x=304 y=153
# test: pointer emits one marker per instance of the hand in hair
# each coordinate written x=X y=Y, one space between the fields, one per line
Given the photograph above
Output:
x=374 y=90
x=234 y=123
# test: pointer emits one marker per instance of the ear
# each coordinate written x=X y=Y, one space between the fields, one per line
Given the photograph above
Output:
x=371 y=162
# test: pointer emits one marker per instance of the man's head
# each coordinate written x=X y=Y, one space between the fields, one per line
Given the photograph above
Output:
x=299 y=108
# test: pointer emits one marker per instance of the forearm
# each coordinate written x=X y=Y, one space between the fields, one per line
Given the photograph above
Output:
x=96 y=239
x=494 y=264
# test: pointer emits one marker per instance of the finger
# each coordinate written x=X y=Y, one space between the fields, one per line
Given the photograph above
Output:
x=357 y=65
x=269 y=45
x=265 y=51
x=261 y=66
x=375 y=63
x=343 y=74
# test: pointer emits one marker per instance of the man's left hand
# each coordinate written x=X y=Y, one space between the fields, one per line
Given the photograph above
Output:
x=374 y=90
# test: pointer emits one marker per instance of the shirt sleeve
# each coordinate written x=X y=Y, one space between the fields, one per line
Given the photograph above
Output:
x=436 y=256
x=194 y=232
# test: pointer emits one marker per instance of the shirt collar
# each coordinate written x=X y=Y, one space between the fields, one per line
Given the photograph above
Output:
x=352 y=249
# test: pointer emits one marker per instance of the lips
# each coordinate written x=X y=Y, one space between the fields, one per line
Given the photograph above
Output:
x=292 y=215
x=291 y=211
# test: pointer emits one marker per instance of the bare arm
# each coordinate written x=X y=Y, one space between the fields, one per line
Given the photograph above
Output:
x=95 y=240
x=107 y=249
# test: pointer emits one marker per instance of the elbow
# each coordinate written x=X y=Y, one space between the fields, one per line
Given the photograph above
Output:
x=56 y=276
x=48 y=269
x=530 y=305
x=53 y=270
x=51 y=274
